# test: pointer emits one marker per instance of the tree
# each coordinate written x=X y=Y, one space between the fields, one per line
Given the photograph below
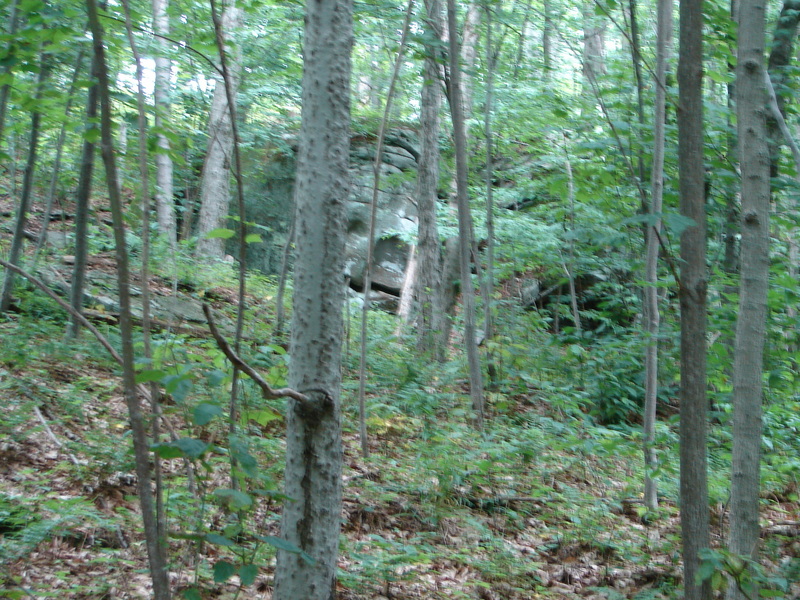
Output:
x=82 y=200
x=215 y=187
x=311 y=520
x=165 y=205
x=15 y=253
x=141 y=446
x=428 y=287
x=693 y=291
x=650 y=307
x=751 y=100
x=464 y=217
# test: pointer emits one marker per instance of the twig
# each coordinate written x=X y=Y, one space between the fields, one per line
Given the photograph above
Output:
x=266 y=390
x=52 y=435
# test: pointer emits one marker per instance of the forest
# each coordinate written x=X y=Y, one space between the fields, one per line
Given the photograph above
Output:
x=491 y=299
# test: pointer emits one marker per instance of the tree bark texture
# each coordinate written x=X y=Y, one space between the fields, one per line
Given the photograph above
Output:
x=593 y=44
x=215 y=187
x=754 y=163
x=693 y=291
x=469 y=53
x=165 y=204
x=27 y=189
x=155 y=550
x=311 y=521
x=650 y=307
x=82 y=200
x=428 y=287
x=464 y=219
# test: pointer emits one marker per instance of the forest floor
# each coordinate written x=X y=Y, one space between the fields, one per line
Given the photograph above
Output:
x=543 y=504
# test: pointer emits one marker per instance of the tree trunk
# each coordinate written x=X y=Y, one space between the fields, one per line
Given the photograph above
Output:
x=56 y=169
x=165 y=204
x=215 y=187
x=547 y=41
x=428 y=287
x=5 y=89
x=82 y=200
x=593 y=45
x=469 y=53
x=155 y=553
x=21 y=221
x=311 y=520
x=693 y=287
x=650 y=306
x=464 y=219
x=754 y=163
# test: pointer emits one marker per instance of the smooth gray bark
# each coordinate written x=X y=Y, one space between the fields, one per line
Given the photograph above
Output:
x=754 y=163
x=469 y=53
x=464 y=219
x=215 y=187
x=311 y=521
x=693 y=292
x=650 y=306
x=165 y=203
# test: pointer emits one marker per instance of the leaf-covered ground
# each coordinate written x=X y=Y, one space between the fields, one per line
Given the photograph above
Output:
x=543 y=504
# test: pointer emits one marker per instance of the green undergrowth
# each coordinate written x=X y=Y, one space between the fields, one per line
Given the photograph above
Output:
x=545 y=502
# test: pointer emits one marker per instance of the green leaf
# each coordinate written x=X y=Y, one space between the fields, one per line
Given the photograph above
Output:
x=192 y=594
x=204 y=413
x=188 y=447
x=149 y=375
x=234 y=499
x=218 y=540
x=221 y=232
x=677 y=224
x=248 y=573
x=252 y=238
x=280 y=544
x=223 y=570
x=92 y=135
x=262 y=417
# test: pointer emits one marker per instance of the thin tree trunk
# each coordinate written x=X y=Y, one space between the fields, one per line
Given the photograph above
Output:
x=636 y=59
x=650 y=305
x=21 y=221
x=5 y=89
x=487 y=289
x=165 y=204
x=464 y=219
x=377 y=167
x=82 y=200
x=284 y=273
x=523 y=39
x=693 y=288
x=570 y=271
x=143 y=192
x=157 y=560
x=51 y=190
x=754 y=162
x=311 y=520
x=215 y=187
x=547 y=41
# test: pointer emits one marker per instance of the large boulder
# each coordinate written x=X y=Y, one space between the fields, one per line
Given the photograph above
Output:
x=395 y=219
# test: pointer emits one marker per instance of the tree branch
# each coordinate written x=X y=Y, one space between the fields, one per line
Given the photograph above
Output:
x=266 y=390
